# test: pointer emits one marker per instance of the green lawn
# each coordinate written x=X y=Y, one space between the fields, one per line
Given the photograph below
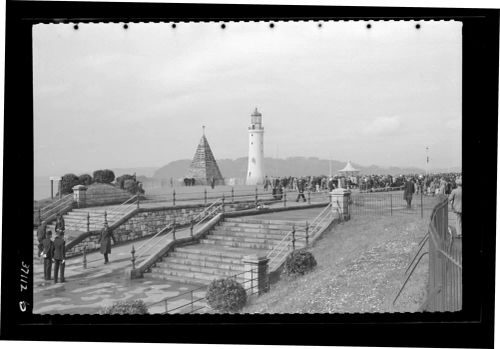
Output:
x=360 y=268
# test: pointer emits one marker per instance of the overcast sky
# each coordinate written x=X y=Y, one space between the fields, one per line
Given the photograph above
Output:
x=106 y=97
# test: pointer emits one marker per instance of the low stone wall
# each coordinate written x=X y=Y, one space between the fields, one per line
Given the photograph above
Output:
x=149 y=221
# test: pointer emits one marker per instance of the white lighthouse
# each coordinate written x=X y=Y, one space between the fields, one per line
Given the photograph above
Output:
x=255 y=172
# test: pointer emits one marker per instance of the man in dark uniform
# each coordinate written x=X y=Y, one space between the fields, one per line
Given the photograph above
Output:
x=59 y=255
x=105 y=241
x=300 y=188
x=59 y=222
x=47 y=254
x=40 y=234
x=408 y=192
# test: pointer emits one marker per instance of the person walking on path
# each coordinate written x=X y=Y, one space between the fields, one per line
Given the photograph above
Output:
x=60 y=226
x=59 y=256
x=105 y=241
x=40 y=234
x=300 y=189
x=47 y=255
x=408 y=193
x=456 y=205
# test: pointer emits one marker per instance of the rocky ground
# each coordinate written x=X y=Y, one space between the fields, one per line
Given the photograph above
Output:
x=361 y=267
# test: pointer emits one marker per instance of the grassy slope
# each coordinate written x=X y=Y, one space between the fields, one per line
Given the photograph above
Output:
x=360 y=269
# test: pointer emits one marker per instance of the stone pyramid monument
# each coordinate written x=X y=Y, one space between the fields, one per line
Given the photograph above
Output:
x=204 y=167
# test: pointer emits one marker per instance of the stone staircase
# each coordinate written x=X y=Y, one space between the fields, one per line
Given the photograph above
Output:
x=220 y=253
x=76 y=220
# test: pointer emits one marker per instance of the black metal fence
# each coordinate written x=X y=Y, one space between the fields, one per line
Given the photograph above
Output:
x=194 y=300
x=390 y=203
x=445 y=263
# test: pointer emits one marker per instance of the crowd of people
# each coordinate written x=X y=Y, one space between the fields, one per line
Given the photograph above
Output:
x=436 y=183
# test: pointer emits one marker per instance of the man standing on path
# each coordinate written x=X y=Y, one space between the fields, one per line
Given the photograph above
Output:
x=456 y=205
x=105 y=241
x=59 y=255
x=40 y=234
x=300 y=189
x=47 y=254
x=60 y=226
x=408 y=193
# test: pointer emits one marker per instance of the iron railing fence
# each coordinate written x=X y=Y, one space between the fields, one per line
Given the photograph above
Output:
x=195 y=300
x=305 y=235
x=445 y=263
x=390 y=203
x=204 y=197
x=49 y=211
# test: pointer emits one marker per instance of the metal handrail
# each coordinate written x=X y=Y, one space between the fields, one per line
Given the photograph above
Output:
x=207 y=209
x=275 y=255
x=56 y=205
x=170 y=226
x=157 y=243
x=123 y=210
x=118 y=208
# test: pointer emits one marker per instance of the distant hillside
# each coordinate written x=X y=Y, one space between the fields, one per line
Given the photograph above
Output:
x=139 y=171
x=295 y=166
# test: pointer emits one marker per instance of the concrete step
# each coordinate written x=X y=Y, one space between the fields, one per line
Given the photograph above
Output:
x=254 y=229
x=174 y=278
x=249 y=245
x=273 y=222
x=220 y=231
x=195 y=258
x=260 y=240
x=287 y=226
x=218 y=251
x=195 y=277
x=209 y=268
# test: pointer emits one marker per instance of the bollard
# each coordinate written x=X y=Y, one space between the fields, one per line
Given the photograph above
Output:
x=307 y=234
x=174 y=197
x=88 y=222
x=85 y=257
x=256 y=197
x=173 y=230
x=223 y=199
x=133 y=257
x=284 y=198
x=191 y=226
x=205 y=195
x=106 y=217
x=309 y=197
x=293 y=237
x=232 y=194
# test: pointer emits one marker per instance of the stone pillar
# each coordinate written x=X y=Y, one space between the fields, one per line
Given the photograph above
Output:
x=256 y=278
x=80 y=195
x=340 y=202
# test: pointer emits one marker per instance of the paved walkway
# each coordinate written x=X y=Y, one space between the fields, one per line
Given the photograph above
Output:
x=89 y=290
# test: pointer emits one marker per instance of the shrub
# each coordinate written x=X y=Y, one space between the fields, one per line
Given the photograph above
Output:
x=68 y=181
x=85 y=179
x=226 y=295
x=120 y=181
x=103 y=176
x=126 y=307
x=299 y=262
